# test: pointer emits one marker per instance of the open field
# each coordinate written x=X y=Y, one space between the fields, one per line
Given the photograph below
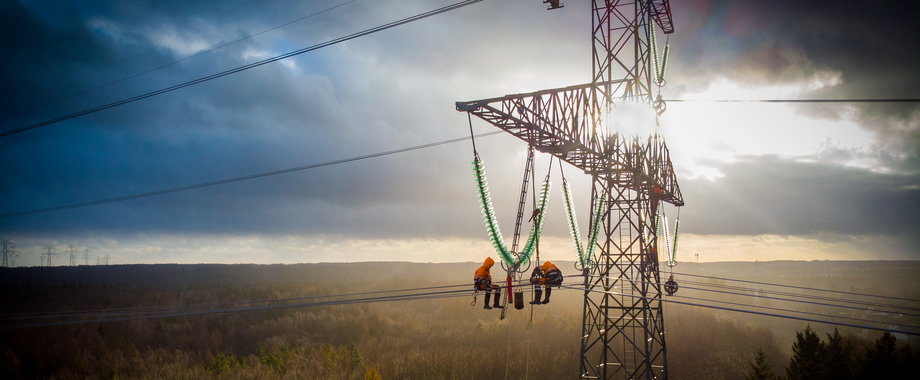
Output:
x=419 y=339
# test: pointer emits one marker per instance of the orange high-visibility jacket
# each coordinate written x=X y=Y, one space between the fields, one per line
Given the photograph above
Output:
x=551 y=274
x=483 y=278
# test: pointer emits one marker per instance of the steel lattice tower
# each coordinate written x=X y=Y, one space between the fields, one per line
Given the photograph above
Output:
x=623 y=333
x=8 y=250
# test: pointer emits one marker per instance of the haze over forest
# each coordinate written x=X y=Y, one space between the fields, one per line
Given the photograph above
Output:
x=407 y=339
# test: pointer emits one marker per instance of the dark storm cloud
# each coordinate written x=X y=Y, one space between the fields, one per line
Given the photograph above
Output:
x=377 y=93
x=776 y=41
x=263 y=119
x=772 y=195
x=870 y=45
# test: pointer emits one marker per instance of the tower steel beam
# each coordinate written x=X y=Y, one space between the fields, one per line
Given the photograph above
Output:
x=623 y=337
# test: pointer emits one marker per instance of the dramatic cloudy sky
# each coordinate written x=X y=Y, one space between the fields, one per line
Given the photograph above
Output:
x=761 y=181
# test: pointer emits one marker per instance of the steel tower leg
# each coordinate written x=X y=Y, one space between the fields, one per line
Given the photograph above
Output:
x=623 y=323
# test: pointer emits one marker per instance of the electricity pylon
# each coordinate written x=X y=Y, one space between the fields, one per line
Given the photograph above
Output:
x=49 y=253
x=623 y=322
x=73 y=255
x=8 y=248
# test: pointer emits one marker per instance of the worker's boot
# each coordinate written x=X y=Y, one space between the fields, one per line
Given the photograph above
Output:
x=537 y=294
x=549 y=291
x=485 y=305
x=498 y=299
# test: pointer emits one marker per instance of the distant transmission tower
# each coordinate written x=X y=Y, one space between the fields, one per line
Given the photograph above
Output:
x=85 y=256
x=622 y=318
x=49 y=253
x=9 y=250
x=73 y=255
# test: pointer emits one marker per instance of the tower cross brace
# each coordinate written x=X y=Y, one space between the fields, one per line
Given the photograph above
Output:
x=623 y=334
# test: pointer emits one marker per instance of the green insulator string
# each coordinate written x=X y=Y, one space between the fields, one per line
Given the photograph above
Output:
x=585 y=254
x=672 y=256
x=488 y=213
x=573 y=222
x=492 y=228
x=595 y=229
x=653 y=47
x=667 y=238
x=659 y=65
x=664 y=63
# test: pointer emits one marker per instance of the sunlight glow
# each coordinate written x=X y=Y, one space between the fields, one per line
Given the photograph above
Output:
x=701 y=132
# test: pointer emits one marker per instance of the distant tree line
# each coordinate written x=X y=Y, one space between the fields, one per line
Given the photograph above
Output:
x=838 y=358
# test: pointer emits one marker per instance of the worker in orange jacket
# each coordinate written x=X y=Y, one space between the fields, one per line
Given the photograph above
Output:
x=547 y=275
x=482 y=280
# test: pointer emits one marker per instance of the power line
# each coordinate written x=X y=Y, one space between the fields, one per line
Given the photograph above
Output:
x=237 y=179
x=792 y=311
x=622 y=288
x=855 y=100
x=799 y=287
x=436 y=295
x=242 y=68
x=768 y=297
x=165 y=65
x=168 y=308
x=425 y=295
x=856 y=302
x=749 y=311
